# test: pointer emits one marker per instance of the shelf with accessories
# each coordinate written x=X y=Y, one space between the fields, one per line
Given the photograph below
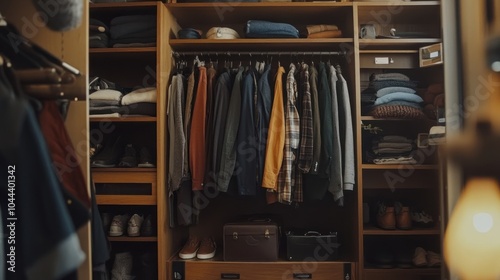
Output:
x=391 y=36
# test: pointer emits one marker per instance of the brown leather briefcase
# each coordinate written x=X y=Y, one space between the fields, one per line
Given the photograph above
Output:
x=251 y=241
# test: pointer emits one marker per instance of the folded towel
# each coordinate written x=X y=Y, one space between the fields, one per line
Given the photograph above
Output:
x=104 y=110
x=387 y=90
x=378 y=85
x=399 y=96
x=114 y=115
x=103 y=103
x=311 y=29
x=140 y=95
x=141 y=108
x=137 y=30
x=326 y=34
x=106 y=94
x=395 y=160
x=390 y=76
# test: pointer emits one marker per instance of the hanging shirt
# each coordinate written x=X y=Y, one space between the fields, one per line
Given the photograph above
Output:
x=178 y=144
x=264 y=105
x=348 y=141
x=228 y=155
x=313 y=81
x=197 y=149
x=336 y=175
x=276 y=136
x=221 y=106
x=306 y=122
x=286 y=178
x=246 y=141
x=190 y=93
x=209 y=119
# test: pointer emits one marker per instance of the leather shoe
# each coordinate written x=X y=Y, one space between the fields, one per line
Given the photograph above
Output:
x=403 y=218
x=386 y=218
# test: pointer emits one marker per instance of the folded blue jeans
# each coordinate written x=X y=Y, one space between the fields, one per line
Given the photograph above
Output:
x=267 y=29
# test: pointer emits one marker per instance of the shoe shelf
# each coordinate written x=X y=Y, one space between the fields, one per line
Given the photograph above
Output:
x=133 y=239
x=372 y=230
x=126 y=199
x=412 y=43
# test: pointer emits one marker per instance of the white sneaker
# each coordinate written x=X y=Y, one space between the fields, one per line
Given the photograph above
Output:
x=134 y=225
x=118 y=225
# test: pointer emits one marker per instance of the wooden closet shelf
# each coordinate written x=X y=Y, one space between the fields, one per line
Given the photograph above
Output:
x=127 y=170
x=372 y=230
x=117 y=5
x=133 y=239
x=299 y=44
x=399 y=3
x=122 y=50
x=125 y=199
x=397 y=43
x=125 y=119
x=399 y=166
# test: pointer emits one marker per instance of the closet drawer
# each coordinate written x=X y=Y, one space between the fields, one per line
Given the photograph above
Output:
x=388 y=60
x=212 y=270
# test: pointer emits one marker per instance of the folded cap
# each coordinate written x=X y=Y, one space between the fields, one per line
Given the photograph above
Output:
x=222 y=33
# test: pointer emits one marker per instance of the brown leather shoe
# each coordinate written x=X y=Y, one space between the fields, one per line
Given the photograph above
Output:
x=403 y=218
x=190 y=248
x=386 y=218
x=207 y=249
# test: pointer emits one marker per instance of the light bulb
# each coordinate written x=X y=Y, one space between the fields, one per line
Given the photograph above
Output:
x=472 y=238
x=483 y=222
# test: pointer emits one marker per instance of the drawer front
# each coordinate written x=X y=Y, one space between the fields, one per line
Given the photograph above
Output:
x=199 y=270
x=389 y=60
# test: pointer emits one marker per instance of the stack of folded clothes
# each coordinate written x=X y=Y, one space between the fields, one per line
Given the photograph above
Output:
x=105 y=103
x=323 y=31
x=395 y=97
x=139 y=102
x=267 y=29
x=434 y=100
x=98 y=34
x=112 y=103
x=133 y=31
x=392 y=149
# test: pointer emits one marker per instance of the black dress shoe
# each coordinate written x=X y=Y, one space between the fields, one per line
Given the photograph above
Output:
x=110 y=153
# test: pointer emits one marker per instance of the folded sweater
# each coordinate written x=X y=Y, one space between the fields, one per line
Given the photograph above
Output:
x=140 y=95
x=387 y=90
x=399 y=96
x=390 y=76
x=106 y=94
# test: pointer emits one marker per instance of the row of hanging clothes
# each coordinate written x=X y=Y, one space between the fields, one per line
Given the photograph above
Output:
x=258 y=126
x=45 y=199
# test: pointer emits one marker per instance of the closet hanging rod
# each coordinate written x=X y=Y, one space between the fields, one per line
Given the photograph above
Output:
x=230 y=53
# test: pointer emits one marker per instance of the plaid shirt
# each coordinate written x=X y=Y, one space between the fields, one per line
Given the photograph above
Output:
x=306 y=123
x=289 y=180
